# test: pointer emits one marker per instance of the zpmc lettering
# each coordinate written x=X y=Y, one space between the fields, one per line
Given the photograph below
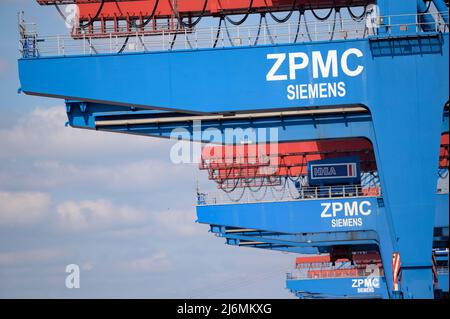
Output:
x=346 y=214
x=322 y=68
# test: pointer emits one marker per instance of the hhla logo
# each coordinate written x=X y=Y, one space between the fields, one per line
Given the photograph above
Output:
x=73 y=277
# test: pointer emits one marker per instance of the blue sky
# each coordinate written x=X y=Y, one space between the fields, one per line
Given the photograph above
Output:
x=113 y=204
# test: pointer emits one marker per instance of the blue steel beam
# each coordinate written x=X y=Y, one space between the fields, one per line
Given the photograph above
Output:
x=230 y=230
x=304 y=216
x=82 y=114
x=241 y=82
x=322 y=241
x=358 y=287
x=275 y=247
x=285 y=242
x=311 y=240
x=426 y=18
x=442 y=9
x=289 y=128
x=85 y=115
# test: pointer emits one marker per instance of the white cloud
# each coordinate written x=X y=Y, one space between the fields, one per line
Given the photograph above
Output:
x=95 y=214
x=42 y=134
x=126 y=176
x=23 y=208
x=31 y=257
x=179 y=223
x=163 y=225
x=39 y=153
x=159 y=262
x=88 y=266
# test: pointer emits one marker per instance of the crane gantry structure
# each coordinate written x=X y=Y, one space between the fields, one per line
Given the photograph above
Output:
x=343 y=121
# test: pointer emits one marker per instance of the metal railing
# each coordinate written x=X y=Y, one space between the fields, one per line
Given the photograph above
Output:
x=226 y=36
x=348 y=272
x=284 y=193
x=343 y=269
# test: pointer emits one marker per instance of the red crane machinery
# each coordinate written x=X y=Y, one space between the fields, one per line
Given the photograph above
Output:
x=325 y=266
x=236 y=165
x=269 y=162
x=103 y=18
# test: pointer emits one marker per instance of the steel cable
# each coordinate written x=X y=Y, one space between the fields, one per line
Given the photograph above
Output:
x=365 y=32
x=142 y=42
x=248 y=180
x=173 y=39
x=91 y=21
x=258 y=199
x=283 y=191
x=92 y=46
x=149 y=18
x=259 y=30
x=227 y=190
x=354 y=16
x=427 y=9
x=235 y=200
x=244 y=18
x=282 y=185
x=232 y=189
x=290 y=192
x=219 y=28
x=258 y=188
x=357 y=18
x=124 y=45
x=444 y=174
x=118 y=7
x=317 y=16
x=334 y=25
x=63 y=16
x=284 y=20
x=300 y=13
x=228 y=34
x=268 y=30
x=186 y=39
x=287 y=17
x=298 y=177
x=199 y=18
x=307 y=28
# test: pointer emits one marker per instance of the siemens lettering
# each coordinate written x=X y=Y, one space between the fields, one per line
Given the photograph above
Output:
x=321 y=69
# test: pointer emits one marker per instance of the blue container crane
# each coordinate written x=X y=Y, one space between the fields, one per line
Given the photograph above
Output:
x=384 y=79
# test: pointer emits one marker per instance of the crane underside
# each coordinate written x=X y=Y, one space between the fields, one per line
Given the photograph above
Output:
x=326 y=123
